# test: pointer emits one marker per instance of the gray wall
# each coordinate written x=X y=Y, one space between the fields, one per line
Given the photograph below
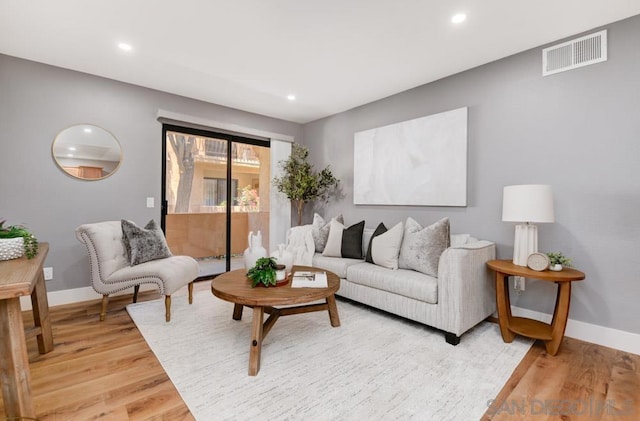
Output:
x=36 y=102
x=577 y=131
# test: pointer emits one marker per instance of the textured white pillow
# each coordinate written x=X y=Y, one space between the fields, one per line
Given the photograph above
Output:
x=144 y=244
x=321 y=231
x=386 y=247
x=333 y=248
x=422 y=247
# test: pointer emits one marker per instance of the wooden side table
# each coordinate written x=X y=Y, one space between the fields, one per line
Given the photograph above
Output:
x=21 y=277
x=552 y=334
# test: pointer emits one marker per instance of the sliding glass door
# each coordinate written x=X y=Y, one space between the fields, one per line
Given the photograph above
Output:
x=215 y=191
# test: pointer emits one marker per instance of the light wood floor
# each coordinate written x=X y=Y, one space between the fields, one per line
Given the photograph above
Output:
x=583 y=381
x=107 y=371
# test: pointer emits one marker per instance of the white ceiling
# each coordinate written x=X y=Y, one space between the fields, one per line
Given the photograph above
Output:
x=250 y=54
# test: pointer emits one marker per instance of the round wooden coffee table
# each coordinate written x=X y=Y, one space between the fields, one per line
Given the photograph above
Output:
x=235 y=287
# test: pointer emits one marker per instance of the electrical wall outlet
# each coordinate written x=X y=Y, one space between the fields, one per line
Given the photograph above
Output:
x=518 y=283
x=48 y=274
x=150 y=202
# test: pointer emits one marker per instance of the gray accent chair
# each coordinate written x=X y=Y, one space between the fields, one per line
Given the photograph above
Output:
x=111 y=272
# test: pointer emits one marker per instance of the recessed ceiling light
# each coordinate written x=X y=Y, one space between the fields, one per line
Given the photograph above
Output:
x=291 y=97
x=124 y=46
x=72 y=148
x=87 y=129
x=70 y=155
x=459 y=18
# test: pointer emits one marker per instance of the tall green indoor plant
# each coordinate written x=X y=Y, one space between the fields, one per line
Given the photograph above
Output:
x=300 y=183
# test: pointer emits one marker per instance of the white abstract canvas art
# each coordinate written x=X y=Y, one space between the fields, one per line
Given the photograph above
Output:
x=420 y=162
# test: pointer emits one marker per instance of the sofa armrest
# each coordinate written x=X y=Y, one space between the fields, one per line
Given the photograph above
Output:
x=466 y=289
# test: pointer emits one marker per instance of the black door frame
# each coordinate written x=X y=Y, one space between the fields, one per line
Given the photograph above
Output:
x=230 y=138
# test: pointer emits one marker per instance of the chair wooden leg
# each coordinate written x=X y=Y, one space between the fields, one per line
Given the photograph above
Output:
x=191 y=292
x=103 y=307
x=167 y=307
x=136 y=289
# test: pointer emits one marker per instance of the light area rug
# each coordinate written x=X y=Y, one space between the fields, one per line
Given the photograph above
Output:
x=374 y=366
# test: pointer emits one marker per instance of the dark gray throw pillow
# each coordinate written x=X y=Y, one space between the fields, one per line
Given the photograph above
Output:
x=352 y=241
x=381 y=229
x=144 y=244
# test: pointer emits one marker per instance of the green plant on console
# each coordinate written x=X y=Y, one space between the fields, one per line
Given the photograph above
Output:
x=264 y=272
x=15 y=231
x=559 y=259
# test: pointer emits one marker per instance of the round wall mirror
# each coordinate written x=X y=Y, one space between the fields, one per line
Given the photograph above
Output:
x=87 y=152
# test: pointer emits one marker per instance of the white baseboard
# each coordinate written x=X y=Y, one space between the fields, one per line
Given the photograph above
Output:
x=77 y=295
x=605 y=336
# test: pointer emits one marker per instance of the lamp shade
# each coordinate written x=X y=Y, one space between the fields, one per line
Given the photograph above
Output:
x=527 y=203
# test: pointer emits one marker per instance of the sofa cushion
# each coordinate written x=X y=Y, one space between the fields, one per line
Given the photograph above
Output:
x=320 y=231
x=144 y=244
x=386 y=247
x=408 y=283
x=337 y=265
x=421 y=247
x=380 y=229
x=172 y=271
x=344 y=242
x=352 y=241
x=333 y=245
x=366 y=239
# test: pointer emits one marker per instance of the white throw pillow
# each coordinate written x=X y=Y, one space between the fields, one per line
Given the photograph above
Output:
x=422 y=247
x=320 y=231
x=386 y=247
x=333 y=248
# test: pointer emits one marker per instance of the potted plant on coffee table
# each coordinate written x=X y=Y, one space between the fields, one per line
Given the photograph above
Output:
x=16 y=240
x=264 y=273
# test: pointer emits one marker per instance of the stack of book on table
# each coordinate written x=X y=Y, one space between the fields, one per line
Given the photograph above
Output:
x=309 y=279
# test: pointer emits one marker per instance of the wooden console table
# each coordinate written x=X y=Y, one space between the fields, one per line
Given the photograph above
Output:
x=552 y=334
x=20 y=277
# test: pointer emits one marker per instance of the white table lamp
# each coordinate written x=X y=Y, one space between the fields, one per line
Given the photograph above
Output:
x=527 y=203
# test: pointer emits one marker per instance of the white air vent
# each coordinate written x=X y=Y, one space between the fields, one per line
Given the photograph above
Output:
x=579 y=52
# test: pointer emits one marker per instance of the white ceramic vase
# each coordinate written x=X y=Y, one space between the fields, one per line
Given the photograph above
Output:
x=283 y=257
x=11 y=248
x=254 y=251
x=556 y=268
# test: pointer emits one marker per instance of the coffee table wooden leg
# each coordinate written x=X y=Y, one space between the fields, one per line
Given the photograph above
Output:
x=41 y=316
x=333 y=311
x=15 y=376
x=504 y=306
x=256 y=341
x=237 y=311
x=560 y=316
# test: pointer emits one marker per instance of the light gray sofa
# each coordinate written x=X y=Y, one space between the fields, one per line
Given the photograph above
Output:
x=460 y=297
